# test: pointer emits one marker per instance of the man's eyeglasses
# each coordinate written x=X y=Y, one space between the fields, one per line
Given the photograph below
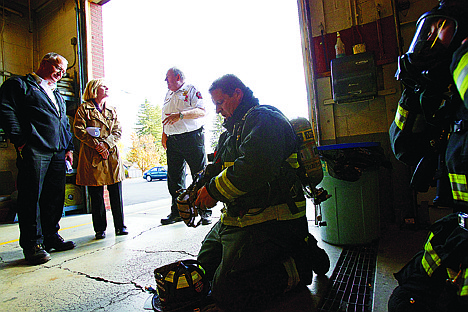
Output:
x=58 y=67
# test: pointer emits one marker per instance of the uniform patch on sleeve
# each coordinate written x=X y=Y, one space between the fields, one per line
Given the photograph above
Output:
x=199 y=95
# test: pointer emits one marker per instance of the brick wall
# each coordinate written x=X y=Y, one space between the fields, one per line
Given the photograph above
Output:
x=97 y=56
x=97 y=44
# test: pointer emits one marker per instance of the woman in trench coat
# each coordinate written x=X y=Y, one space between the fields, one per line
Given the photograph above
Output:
x=97 y=127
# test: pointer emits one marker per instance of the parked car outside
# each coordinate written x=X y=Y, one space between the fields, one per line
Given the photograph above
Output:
x=155 y=173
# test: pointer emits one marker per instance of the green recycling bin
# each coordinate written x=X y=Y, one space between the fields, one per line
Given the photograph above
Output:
x=352 y=213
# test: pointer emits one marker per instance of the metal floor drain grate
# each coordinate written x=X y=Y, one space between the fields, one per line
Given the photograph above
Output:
x=352 y=282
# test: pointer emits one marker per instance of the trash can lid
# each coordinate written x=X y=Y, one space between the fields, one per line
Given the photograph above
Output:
x=347 y=145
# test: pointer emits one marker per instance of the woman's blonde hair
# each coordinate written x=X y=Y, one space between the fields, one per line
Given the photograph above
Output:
x=91 y=89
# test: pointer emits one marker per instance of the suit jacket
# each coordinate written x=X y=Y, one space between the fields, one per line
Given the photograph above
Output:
x=29 y=117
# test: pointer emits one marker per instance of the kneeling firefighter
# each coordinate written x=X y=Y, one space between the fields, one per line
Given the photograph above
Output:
x=430 y=130
x=261 y=247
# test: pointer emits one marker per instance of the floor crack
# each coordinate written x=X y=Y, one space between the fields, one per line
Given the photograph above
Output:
x=171 y=251
x=101 y=279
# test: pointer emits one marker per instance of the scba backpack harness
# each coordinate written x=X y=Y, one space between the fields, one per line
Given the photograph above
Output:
x=306 y=162
x=181 y=286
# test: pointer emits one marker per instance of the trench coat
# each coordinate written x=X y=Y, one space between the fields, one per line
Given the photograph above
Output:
x=92 y=169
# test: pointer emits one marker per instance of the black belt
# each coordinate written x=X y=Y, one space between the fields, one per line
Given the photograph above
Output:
x=185 y=134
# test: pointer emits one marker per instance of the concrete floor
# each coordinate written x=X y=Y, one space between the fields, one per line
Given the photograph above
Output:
x=111 y=274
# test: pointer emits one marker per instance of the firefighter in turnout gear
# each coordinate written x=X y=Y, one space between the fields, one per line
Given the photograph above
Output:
x=261 y=247
x=431 y=123
x=430 y=130
x=458 y=149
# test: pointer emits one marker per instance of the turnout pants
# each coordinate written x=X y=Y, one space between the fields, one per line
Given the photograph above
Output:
x=249 y=266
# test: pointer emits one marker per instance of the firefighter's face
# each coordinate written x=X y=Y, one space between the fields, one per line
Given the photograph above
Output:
x=442 y=30
x=225 y=104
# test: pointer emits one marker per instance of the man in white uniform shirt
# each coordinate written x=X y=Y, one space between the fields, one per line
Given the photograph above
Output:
x=183 y=136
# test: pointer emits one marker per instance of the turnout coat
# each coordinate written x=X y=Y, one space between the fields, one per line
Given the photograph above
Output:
x=258 y=182
x=92 y=169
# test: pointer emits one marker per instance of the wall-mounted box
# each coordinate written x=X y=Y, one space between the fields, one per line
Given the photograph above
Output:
x=354 y=78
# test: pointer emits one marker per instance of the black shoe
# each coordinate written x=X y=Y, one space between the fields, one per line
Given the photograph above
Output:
x=58 y=243
x=171 y=219
x=122 y=231
x=205 y=221
x=205 y=216
x=100 y=235
x=322 y=263
x=36 y=255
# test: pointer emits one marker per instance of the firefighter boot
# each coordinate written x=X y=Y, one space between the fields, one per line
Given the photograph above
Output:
x=318 y=257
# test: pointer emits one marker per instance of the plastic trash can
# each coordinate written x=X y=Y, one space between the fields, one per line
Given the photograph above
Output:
x=353 y=212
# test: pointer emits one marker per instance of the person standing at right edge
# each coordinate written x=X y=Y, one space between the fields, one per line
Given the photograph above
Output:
x=431 y=122
x=183 y=137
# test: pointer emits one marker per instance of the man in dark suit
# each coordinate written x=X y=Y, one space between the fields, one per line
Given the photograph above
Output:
x=33 y=114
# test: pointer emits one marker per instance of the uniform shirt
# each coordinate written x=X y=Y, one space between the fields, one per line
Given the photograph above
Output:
x=187 y=97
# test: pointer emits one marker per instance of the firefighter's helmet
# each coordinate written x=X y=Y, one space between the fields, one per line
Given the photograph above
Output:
x=181 y=286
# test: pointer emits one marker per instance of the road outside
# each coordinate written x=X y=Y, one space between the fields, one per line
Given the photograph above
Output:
x=138 y=190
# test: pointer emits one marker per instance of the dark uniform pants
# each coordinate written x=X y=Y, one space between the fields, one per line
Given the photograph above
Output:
x=41 y=194
x=183 y=148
